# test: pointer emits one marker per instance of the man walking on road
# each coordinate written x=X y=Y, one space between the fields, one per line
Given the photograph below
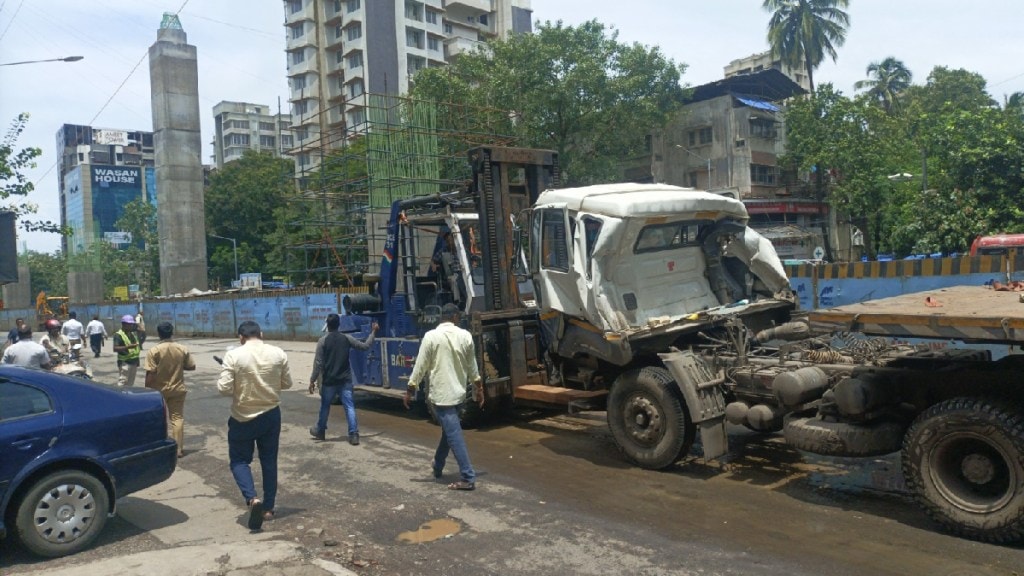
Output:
x=331 y=368
x=140 y=328
x=165 y=366
x=97 y=333
x=447 y=358
x=254 y=375
x=128 y=348
x=73 y=329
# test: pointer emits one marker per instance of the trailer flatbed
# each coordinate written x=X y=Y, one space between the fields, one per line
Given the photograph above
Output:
x=967 y=313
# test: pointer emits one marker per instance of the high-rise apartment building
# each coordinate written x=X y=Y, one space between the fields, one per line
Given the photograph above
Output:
x=241 y=126
x=101 y=170
x=339 y=50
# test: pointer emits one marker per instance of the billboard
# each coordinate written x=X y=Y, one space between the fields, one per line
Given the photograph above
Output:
x=106 y=136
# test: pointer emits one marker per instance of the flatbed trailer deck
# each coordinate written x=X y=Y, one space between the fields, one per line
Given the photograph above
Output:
x=967 y=313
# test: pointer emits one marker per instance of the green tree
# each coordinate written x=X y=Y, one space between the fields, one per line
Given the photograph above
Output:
x=574 y=89
x=48 y=272
x=803 y=32
x=240 y=203
x=13 y=181
x=886 y=81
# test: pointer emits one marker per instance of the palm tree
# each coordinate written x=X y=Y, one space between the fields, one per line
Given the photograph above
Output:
x=886 y=80
x=802 y=32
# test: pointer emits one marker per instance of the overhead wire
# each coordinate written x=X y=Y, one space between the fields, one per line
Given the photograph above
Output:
x=13 y=17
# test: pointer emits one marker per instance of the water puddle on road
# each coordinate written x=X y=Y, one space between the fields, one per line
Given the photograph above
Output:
x=430 y=531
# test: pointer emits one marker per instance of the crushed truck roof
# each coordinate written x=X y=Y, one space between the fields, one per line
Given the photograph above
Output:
x=644 y=200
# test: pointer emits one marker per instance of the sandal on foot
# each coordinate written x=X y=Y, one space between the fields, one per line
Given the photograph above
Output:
x=462 y=485
x=268 y=515
x=255 y=514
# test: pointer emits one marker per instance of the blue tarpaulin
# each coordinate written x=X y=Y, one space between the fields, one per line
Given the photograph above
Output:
x=759 y=104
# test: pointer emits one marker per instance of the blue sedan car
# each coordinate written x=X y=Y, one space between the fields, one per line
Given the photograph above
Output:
x=69 y=448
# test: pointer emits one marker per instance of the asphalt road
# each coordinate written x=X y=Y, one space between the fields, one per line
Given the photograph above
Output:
x=553 y=497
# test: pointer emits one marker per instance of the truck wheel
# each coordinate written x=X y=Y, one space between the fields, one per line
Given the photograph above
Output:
x=964 y=460
x=62 y=513
x=648 y=418
x=841 y=439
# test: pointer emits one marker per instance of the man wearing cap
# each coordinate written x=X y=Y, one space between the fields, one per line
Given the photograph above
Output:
x=127 y=347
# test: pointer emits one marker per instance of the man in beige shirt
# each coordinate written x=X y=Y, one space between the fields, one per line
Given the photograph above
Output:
x=165 y=371
x=254 y=375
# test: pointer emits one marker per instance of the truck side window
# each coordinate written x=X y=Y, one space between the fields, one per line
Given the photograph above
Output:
x=591 y=231
x=554 y=241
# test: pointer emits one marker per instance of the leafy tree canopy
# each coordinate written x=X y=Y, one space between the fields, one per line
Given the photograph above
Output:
x=13 y=181
x=574 y=89
x=240 y=204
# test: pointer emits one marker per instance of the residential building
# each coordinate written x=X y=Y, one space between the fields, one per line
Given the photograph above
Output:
x=241 y=126
x=339 y=50
x=100 y=171
x=764 y=61
x=728 y=138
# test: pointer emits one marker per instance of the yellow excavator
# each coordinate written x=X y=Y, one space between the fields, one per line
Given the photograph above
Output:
x=48 y=307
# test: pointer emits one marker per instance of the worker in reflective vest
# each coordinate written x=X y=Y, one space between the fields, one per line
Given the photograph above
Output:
x=127 y=346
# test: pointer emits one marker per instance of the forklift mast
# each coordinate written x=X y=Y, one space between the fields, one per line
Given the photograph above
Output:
x=506 y=183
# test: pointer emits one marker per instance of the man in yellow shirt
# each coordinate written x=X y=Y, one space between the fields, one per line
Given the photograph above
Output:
x=165 y=366
x=447 y=359
x=254 y=375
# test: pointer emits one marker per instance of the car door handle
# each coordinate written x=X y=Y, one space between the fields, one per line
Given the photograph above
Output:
x=25 y=444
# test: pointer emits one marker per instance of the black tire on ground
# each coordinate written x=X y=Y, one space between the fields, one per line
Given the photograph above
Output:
x=964 y=460
x=648 y=418
x=62 y=513
x=818 y=436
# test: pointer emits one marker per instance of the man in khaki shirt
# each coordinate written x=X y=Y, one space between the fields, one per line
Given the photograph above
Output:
x=165 y=371
x=254 y=375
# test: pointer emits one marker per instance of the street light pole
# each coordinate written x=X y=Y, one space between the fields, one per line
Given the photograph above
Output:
x=64 y=59
x=699 y=157
x=234 y=250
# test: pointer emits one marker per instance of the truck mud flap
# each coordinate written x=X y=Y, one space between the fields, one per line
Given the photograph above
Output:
x=705 y=401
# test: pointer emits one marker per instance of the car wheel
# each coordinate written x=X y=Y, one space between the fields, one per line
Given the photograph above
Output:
x=963 y=460
x=648 y=418
x=62 y=513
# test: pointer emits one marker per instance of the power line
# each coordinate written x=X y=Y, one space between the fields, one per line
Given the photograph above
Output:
x=15 y=15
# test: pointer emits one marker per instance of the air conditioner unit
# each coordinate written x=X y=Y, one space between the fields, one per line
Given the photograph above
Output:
x=741 y=142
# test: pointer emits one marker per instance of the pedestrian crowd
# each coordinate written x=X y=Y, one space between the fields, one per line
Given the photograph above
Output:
x=254 y=374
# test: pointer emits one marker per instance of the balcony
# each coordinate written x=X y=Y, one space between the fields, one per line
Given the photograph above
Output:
x=457 y=45
x=479 y=6
x=300 y=42
x=305 y=67
x=307 y=13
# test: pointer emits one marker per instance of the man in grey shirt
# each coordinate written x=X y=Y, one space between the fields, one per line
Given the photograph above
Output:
x=25 y=352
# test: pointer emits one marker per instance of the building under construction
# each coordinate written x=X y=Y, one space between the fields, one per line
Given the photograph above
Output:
x=401 y=148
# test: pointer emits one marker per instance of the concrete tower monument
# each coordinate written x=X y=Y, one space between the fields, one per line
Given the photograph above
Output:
x=177 y=143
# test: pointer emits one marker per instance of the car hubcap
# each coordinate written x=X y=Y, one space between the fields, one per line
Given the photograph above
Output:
x=64 y=513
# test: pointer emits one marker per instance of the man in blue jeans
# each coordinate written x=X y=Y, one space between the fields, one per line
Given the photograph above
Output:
x=447 y=358
x=331 y=369
x=254 y=375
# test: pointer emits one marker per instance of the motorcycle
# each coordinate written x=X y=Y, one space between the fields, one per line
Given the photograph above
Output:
x=72 y=364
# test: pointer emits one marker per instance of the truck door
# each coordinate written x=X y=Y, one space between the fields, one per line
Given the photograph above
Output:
x=551 y=260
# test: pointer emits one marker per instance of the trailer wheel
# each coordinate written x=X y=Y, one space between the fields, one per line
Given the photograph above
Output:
x=648 y=418
x=964 y=460
x=812 y=434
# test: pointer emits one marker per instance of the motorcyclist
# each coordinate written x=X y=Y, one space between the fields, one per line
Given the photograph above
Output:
x=57 y=345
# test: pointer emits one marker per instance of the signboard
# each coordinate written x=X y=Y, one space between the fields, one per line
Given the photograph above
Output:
x=133 y=291
x=118 y=238
x=105 y=136
x=785 y=208
x=250 y=280
x=120 y=292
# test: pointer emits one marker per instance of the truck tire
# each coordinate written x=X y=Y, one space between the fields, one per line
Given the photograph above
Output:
x=62 y=513
x=812 y=434
x=648 y=418
x=964 y=460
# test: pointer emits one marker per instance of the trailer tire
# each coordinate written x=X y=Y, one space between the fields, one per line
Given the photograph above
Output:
x=648 y=418
x=964 y=460
x=812 y=434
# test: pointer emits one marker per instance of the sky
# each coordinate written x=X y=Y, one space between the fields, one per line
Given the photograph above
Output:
x=240 y=46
